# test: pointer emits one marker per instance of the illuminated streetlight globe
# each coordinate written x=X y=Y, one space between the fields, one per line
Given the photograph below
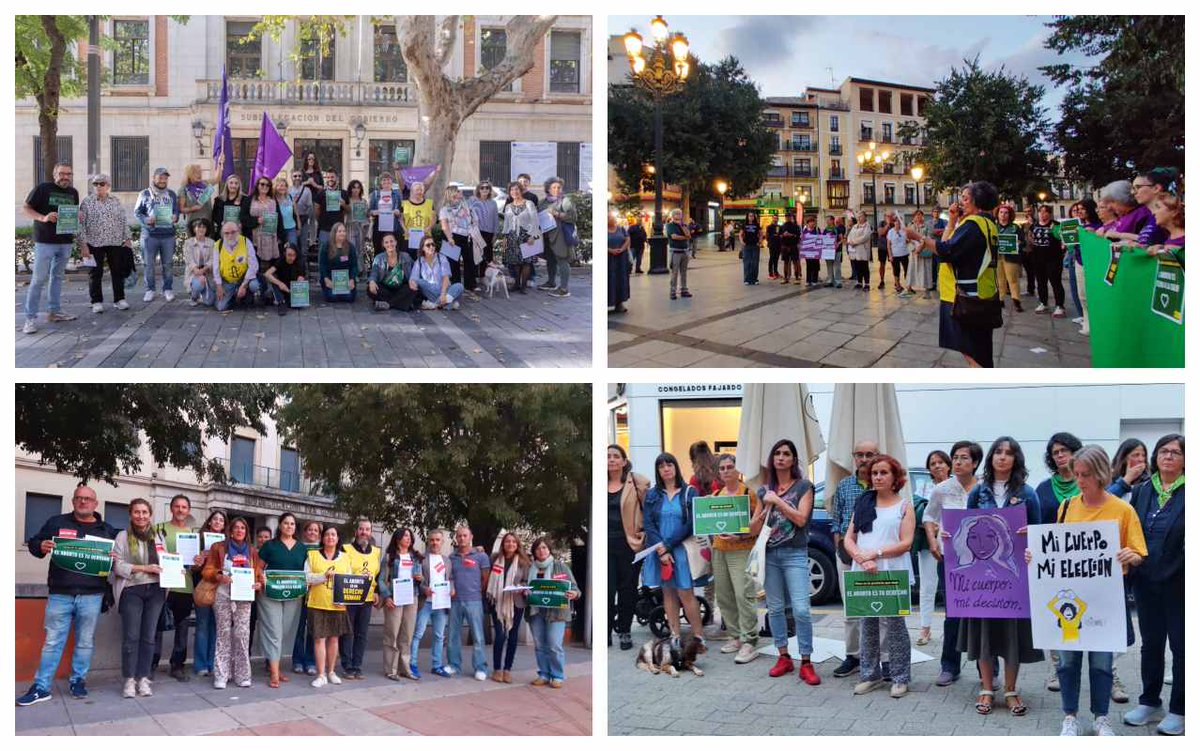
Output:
x=658 y=27
x=633 y=43
x=722 y=186
x=679 y=48
x=918 y=173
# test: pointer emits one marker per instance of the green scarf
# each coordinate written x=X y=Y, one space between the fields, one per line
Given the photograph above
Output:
x=1063 y=489
x=1164 y=494
x=543 y=569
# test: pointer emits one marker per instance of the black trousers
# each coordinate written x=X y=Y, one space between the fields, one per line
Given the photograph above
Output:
x=861 y=272
x=489 y=252
x=1160 y=619
x=1027 y=263
x=140 y=608
x=1049 y=269
x=398 y=298
x=773 y=258
x=812 y=270
x=897 y=265
x=353 y=646
x=180 y=604
x=464 y=270
x=117 y=272
x=622 y=585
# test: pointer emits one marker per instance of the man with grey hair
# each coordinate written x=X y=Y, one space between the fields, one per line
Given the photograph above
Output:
x=679 y=238
x=236 y=266
x=470 y=571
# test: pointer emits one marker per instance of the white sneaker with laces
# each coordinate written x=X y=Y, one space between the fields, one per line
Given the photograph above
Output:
x=149 y=296
x=30 y=326
x=480 y=675
x=169 y=296
x=1070 y=726
x=130 y=690
x=731 y=646
x=428 y=305
x=319 y=681
x=334 y=678
x=122 y=305
x=143 y=687
x=746 y=653
x=1041 y=308
x=219 y=683
x=1102 y=726
x=97 y=307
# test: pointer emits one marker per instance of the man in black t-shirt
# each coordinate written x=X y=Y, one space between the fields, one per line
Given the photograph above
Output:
x=326 y=218
x=51 y=248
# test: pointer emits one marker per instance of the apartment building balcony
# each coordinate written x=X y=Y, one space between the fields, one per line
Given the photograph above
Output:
x=837 y=174
x=865 y=135
x=806 y=171
x=803 y=124
x=771 y=122
x=350 y=93
x=777 y=171
x=835 y=150
x=808 y=149
x=259 y=476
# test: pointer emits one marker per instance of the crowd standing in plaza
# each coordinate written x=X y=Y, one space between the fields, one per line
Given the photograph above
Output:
x=287 y=588
x=347 y=229
x=877 y=528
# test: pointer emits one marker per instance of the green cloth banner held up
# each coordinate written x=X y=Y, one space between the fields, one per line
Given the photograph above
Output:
x=90 y=557
x=284 y=585
x=1137 y=321
x=877 y=595
x=549 y=593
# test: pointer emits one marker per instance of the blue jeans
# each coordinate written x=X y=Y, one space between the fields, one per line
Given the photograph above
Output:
x=1070 y=263
x=750 y=256
x=206 y=293
x=472 y=613
x=231 y=289
x=1100 y=680
x=61 y=610
x=548 y=648
x=787 y=580
x=504 y=643
x=205 y=647
x=424 y=616
x=303 y=656
x=433 y=292
x=330 y=296
x=164 y=248
x=49 y=262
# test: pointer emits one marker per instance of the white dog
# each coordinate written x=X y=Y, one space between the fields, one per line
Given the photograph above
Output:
x=493 y=277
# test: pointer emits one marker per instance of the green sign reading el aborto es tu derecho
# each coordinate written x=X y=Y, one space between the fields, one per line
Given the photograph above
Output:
x=549 y=593
x=284 y=585
x=877 y=595
x=721 y=515
x=89 y=557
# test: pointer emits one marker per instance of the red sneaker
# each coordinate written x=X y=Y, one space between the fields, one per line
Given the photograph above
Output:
x=782 y=666
x=808 y=674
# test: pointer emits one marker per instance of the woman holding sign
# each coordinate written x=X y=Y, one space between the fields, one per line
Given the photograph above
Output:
x=735 y=589
x=266 y=225
x=510 y=568
x=338 y=266
x=456 y=221
x=548 y=623
x=139 y=597
x=399 y=584
x=204 y=648
x=234 y=567
x=878 y=539
x=282 y=599
x=521 y=230
x=668 y=522
x=326 y=620
x=232 y=205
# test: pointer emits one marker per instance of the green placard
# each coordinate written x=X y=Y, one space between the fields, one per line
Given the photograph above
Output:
x=1167 y=299
x=207 y=195
x=549 y=593
x=90 y=557
x=269 y=224
x=401 y=154
x=300 y=294
x=358 y=211
x=233 y=213
x=1008 y=243
x=284 y=585
x=350 y=589
x=162 y=215
x=1114 y=263
x=721 y=515
x=333 y=201
x=341 y=281
x=877 y=595
x=68 y=220
x=1070 y=231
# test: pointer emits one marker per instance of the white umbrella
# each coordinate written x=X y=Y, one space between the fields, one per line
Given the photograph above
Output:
x=771 y=411
x=863 y=411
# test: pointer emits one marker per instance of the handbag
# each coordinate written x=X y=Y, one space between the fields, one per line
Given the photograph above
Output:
x=205 y=594
x=570 y=236
x=756 y=564
x=977 y=312
x=699 y=555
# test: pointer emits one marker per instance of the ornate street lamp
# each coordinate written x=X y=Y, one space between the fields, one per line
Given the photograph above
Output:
x=872 y=161
x=721 y=187
x=917 y=173
x=662 y=69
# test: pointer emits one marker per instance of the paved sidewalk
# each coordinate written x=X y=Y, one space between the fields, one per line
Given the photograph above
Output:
x=372 y=706
x=728 y=324
x=743 y=700
x=532 y=330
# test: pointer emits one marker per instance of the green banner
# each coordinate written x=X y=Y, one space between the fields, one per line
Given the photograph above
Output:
x=284 y=585
x=358 y=211
x=162 y=215
x=231 y=213
x=1137 y=321
x=300 y=294
x=270 y=223
x=68 y=220
x=333 y=201
x=1008 y=242
x=721 y=515
x=90 y=557
x=878 y=595
x=350 y=589
x=341 y=281
x=549 y=593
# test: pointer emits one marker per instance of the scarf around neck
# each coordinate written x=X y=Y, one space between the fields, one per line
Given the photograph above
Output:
x=1063 y=489
x=504 y=601
x=541 y=570
x=1164 y=493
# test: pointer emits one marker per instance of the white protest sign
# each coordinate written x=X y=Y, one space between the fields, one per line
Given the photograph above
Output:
x=1076 y=597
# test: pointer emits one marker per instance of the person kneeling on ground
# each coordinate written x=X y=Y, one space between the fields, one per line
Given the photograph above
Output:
x=431 y=277
x=237 y=267
x=339 y=254
x=285 y=270
x=389 y=272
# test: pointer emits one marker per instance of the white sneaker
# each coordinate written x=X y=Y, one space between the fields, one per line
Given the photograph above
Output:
x=218 y=683
x=480 y=675
x=428 y=305
x=1102 y=726
x=731 y=646
x=130 y=690
x=122 y=305
x=1069 y=726
x=30 y=326
x=169 y=296
x=1059 y=312
x=97 y=307
x=334 y=678
x=319 y=682
x=746 y=653
x=193 y=302
x=143 y=687
x=454 y=305
x=149 y=296
x=451 y=670
x=1077 y=319
x=1041 y=308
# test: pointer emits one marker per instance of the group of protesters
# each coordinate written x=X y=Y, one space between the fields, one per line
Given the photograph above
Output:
x=409 y=250
x=452 y=587
x=877 y=528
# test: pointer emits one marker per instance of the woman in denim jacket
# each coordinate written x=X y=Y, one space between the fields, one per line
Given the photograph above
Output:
x=668 y=522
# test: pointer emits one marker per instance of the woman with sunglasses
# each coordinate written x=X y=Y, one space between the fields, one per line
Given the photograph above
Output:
x=487 y=219
x=266 y=227
x=431 y=277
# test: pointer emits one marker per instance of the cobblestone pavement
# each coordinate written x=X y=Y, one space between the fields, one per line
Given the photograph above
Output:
x=743 y=700
x=727 y=324
x=372 y=706
x=532 y=330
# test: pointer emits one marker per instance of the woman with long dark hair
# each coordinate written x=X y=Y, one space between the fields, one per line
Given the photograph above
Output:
x=668 y=520
x=704 y=469
x=233 y=616
x=751 y=249
x=986 y=640
x=626 y=492
x=205 y=645
x=359 y=229
x=929 y=555
x=510 y=568
x=787 y=503
x=399 y=621
x=279 y=613
x=139 y=597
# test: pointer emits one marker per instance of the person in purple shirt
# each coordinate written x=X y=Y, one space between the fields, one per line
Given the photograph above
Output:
x=1132 y=216
x=1147 y=187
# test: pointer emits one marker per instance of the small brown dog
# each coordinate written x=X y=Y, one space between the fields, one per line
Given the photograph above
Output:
x=659 y=656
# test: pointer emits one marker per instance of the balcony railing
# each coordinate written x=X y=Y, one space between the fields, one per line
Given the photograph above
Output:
x=837 y=174
x=254 y=91
x=777 y=172
x=806 y=171
x=802 y=123
x=792 y=146
x=886 y=138
x=772 y=123
x=835 y=150
x=258 y=476
x=866 y=135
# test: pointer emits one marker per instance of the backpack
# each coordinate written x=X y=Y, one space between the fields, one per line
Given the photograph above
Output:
x=920 y=541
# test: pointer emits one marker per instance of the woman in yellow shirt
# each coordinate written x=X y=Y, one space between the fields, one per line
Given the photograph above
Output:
x=327 y=621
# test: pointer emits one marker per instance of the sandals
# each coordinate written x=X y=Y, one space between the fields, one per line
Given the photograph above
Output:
x=985 y=707
x=923 y=638
x=1012 y=699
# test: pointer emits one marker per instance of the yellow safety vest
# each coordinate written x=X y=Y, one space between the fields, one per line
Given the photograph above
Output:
x=364 y=563
x=984 y=283
x=320 y=596
x=233 y=261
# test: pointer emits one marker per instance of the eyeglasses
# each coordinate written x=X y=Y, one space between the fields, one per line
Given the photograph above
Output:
x=1176 y=453
x=865 y=454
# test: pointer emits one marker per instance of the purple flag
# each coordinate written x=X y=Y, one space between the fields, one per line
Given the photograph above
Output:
x=416 y=174
x=273 y=152
x=986 y=576
x=223 y=137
